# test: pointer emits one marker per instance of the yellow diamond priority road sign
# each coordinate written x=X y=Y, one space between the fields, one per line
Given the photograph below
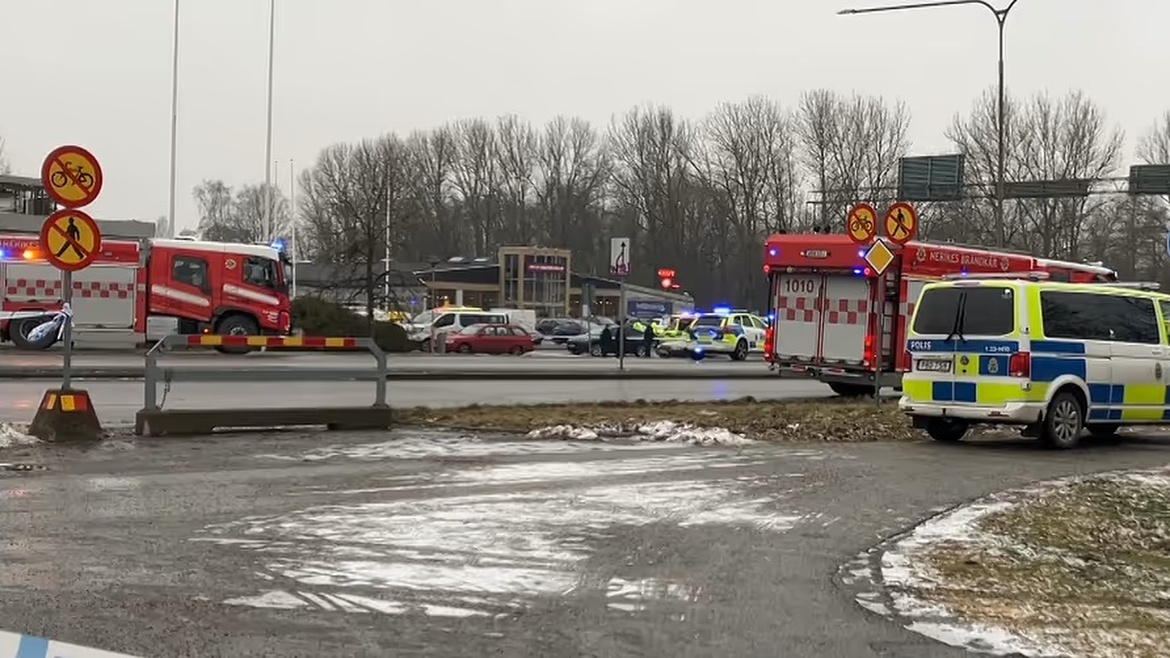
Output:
x=879 y=256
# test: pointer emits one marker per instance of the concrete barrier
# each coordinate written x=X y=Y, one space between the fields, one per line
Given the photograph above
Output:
x=153 y=420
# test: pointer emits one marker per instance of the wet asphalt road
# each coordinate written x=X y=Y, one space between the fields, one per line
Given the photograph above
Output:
x=117 y=401
x=411 y=544
x=543 y=363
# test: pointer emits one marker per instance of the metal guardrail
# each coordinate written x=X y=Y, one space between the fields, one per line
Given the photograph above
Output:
x=156 y=372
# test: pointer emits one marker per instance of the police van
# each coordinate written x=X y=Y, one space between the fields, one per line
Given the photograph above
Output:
x=1057 y=358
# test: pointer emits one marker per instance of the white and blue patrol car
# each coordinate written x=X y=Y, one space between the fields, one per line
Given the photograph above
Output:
x=1057 y=358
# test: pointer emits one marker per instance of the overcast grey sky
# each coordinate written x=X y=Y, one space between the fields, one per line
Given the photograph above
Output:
x=97 y=73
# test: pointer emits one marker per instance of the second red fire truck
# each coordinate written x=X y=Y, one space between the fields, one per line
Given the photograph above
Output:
x=208 y=287
x=828 y=302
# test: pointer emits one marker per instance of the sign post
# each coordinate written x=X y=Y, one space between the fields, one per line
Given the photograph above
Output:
x=619 y=266
x=900 y=225
x=70 y=240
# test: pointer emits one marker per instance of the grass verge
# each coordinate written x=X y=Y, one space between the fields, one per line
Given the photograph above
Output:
x=1085 y=568
x=823 y=420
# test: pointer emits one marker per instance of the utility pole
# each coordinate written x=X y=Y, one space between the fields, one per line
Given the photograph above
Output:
x=174 y=125
x=1001 y=104
x=268 y=140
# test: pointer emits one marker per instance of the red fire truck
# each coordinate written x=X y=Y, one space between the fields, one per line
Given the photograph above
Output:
x=827 y=300
x=207 y=286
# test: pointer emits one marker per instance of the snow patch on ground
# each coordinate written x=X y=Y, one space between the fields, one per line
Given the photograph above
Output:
x=12 y=436
x=899 y=569
x=665 y=431
x=477 y=551
x=423 y=446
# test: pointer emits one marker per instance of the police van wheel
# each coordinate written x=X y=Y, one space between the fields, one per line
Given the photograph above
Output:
x=947 y=430
x=1063 y=422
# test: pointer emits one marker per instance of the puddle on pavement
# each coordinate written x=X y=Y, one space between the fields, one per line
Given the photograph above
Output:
x=461 y=553
x=637 y=595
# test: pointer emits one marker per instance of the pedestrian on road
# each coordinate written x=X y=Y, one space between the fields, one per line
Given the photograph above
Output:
x=648 y=340
x=606 y=341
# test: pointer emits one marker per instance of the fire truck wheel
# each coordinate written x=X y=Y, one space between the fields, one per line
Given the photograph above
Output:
x=851 y=390
x=741 y=351
x=236 y=325
x=20 y=329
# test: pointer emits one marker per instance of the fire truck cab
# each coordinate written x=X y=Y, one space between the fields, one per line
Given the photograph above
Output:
x=831 y=307
x=206 y=287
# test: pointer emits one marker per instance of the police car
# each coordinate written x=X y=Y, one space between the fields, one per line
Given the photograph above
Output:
x=1056 y=358
x=735 y=333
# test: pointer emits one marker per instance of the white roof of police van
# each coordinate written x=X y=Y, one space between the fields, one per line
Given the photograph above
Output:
x=1089 y=267
x=260 y=250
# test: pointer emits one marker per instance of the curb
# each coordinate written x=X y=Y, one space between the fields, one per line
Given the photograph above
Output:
x=424 y=375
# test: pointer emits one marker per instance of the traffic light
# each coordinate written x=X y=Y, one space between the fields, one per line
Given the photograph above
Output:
x=666 y=283
x=666 y=278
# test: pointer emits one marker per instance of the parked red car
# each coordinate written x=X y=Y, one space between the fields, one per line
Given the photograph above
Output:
x=491 y=339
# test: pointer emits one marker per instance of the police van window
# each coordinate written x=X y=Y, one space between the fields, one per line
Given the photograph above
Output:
x=1090 y=316
x=1165 y=315
x=260 y=272
x=709 y=321
x=987 y=311
x=445 y=320
x=189 y=270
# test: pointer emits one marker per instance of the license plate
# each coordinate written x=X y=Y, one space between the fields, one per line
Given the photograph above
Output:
x=705 y=339
x=934 y=365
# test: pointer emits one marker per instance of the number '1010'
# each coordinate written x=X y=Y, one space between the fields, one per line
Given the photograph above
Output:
x=800 y=286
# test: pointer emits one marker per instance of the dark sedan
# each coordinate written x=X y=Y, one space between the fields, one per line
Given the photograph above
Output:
x=591 y=343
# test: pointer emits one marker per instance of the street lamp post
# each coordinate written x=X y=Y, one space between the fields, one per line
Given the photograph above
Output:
x=268 y=196
x=434 y=264
x=1000 y=19
x=174 y=125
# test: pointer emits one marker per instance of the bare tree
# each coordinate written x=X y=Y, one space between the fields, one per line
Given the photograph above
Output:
x=659 y=198
x=225 y=216
x=248 y=213
x=476 y=177
x=574 y=169
x=516 y=162
x=976 y=136
x=214 y=199
x=1064 y=139
x=749 y=161
x=1154 y=146
x=5 y=168
x=433 y=224
x=850 y=148
x=349 y=196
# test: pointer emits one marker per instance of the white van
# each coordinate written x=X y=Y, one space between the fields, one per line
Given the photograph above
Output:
x=442 y=320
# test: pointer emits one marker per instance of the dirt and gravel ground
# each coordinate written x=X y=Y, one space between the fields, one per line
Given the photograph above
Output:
x=834 y=420
x=1081 y=567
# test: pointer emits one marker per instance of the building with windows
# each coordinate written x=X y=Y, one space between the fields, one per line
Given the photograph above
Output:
x=535 y=278
x=541 y=279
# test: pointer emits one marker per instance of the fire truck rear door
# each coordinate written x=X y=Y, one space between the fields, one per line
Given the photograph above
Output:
x=798 y=316
x=846 y=304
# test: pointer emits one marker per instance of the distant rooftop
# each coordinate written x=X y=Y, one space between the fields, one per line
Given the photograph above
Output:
x=20 y=182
